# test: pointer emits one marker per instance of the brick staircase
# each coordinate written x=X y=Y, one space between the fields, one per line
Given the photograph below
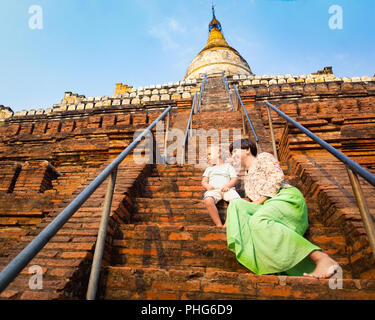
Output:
x=170 y=232
x=214 y=96
x=171 y=250
x=161 y=242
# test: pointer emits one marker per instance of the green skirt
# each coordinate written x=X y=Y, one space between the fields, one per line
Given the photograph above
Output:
x=269 y=238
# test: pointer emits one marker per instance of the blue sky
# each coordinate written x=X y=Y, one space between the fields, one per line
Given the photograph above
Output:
x=87 y=46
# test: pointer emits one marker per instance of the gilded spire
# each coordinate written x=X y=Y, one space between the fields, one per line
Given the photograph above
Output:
x=214 y=22
x=216 y=37
x=217 y=55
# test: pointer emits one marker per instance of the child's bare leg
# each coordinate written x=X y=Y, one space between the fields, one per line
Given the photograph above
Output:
x=225 y=221
x=212 y=211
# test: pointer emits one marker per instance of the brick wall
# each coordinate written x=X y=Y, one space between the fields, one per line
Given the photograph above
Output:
x=45 y=163
x=326 y=181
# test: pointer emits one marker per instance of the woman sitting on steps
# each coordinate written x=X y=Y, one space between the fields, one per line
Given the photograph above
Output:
x=267 y=234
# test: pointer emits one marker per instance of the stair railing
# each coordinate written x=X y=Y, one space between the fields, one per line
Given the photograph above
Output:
x=165 y=156
x=226 y=85
x=188 y=129
x=37 y=244
x=204 y=81
x=245 y=114
x=352 y=167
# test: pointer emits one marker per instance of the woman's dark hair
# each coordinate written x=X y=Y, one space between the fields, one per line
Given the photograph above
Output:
x=244 y=144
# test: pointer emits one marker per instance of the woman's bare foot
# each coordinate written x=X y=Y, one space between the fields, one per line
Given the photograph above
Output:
x=325 y=266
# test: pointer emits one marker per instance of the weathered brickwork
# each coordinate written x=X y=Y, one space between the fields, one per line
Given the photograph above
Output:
x=34 y=191
x=161 y=243
x=345 y=119
x=164 y=243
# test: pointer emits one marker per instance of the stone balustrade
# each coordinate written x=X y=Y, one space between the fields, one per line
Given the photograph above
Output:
x=244 y=80
x=178 y=90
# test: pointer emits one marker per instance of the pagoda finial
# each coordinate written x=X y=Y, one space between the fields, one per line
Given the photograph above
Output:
x=214 y=22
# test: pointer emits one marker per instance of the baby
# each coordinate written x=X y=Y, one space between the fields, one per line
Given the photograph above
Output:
x=219 y=180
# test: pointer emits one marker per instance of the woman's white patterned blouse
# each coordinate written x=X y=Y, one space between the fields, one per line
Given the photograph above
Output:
x=264 y=178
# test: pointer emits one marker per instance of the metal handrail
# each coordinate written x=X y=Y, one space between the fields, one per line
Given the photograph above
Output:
x=226 y=85
x=246 y=114
x=339 y=155
x=204 y=81
x=353 y=169
x=165 y=156
x=188 y=129
x=29 y=252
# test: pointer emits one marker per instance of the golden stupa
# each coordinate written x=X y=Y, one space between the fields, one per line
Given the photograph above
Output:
x=217 y=56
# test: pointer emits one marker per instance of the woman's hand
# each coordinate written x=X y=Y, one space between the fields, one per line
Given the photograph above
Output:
x=261 y=200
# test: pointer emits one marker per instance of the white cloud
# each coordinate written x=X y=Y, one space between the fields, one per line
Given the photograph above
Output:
x=174 y=25
x=342 y=56
x=245 y=43
x=168 y=33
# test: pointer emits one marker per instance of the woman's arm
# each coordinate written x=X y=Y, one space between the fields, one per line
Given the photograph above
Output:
x=261 y=200
x=270 y=176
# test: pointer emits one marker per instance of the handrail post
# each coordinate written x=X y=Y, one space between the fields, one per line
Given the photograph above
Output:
x=247 y=116
x=363 y=208
x=201 y=91
x=183 y=154
x=188 y=129
x=195 y=103
x=226 y=85
x=191 y=128
x=272 y=133
x=235 y=101
x=199 y=101
x=244 y=128
x=166 y=137
x=100 y=241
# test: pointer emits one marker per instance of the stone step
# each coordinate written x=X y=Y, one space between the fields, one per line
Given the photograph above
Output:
x=219 y=102
x=161 y=193
x=170 y=214
x=215 y=93
x=210 y=284
x=215 y=100
x=177 y=174
x=173 y=212
x=193 y=180
x=164 y=202
x=215 y=107
x=209 y=124
x=164 y=170
x=196 y=245
x=217 y=115
x=171 y=208
x=171 y=246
